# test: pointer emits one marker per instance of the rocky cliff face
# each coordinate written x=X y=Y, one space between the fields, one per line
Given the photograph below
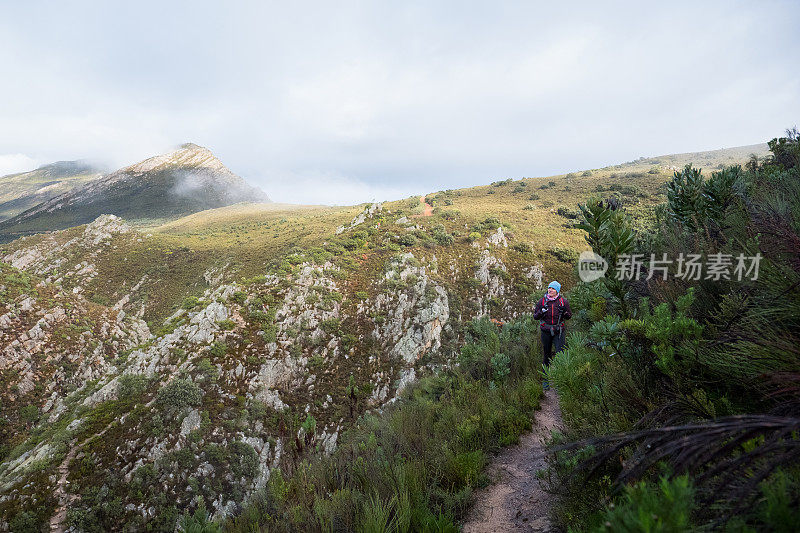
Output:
x=250 y=375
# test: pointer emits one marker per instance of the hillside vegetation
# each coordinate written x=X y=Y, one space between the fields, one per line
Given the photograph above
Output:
x=681 y=394
x=219 y=364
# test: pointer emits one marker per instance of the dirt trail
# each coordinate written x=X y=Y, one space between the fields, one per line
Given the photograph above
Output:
x=61 y=493
x=427 y=209
x=516 y=501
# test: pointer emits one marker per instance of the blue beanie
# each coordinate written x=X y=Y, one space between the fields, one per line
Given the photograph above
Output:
x=555 y=285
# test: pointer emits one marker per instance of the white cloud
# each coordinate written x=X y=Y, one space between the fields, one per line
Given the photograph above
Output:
x=395 y=97
x=314 y=187
x=15 y=163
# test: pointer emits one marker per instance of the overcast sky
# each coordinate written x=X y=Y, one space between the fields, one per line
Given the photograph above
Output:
x=344 y=102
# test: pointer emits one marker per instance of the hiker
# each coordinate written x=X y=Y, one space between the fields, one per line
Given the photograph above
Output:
x=552 y=309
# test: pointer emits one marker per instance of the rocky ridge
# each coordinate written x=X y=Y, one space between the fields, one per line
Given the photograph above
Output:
x=251 y=375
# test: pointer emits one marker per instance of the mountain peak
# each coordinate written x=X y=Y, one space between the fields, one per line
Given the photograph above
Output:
x=188 y=155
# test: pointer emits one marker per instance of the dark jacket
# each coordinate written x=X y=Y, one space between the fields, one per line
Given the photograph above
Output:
x=551 y=313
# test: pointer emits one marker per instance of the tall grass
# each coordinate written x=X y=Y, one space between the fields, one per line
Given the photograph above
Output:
x=413 y=467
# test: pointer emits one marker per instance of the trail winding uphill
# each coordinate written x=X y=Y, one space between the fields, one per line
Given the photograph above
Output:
x=427 y=209
x=516 y=501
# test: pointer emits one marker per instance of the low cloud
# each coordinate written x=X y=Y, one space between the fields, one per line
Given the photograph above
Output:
x=327 y=188
x=15 y=163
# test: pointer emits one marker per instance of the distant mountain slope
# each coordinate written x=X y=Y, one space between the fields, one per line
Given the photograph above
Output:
x=24 y=190
x=168 y=186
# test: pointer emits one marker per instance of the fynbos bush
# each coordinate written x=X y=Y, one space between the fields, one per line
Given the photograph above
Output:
x=179 y=393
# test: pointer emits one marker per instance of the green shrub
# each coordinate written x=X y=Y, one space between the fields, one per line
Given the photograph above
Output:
x=270 y=333
x=665 y=506
x=215 y=454
x=444 y=238
x=29 y=413
x=207 y=368
x=179 y=393
x=330 y=326
x=407 y=240
x=565 y=255
x=218 y=349
x=131 y=386
x=226 y=324
x=199 y=521
x=26 y=522
x=244 y=459
x=190 y=302
x=566 y=212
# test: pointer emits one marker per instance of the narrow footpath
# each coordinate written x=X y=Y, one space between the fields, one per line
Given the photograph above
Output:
x=515 y=500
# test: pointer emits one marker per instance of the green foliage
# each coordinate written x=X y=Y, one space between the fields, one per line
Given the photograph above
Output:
x=131 y=386
x=664 y=507
x=218 y=349
x=565 y=255
x=785 y=150
x=566 y=212
x=331 y=326
x=407 y=240
x=29 y=413
x=310 y=425
x=501 y=366
x=26 y=522
x=487 y=224
x=523 y=247
x=199 y=521
x=270 y=333
x=706 y=357
x=179 y=393
x=208 y=369
x=778 y=510
x=441 y=236
x=190 y=302
x=607 y=229
x=98 y=511
x=692 y=202
x=226 y=324
x=244 y=459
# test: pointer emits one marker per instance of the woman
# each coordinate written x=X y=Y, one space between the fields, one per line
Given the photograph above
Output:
x=552 y=309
